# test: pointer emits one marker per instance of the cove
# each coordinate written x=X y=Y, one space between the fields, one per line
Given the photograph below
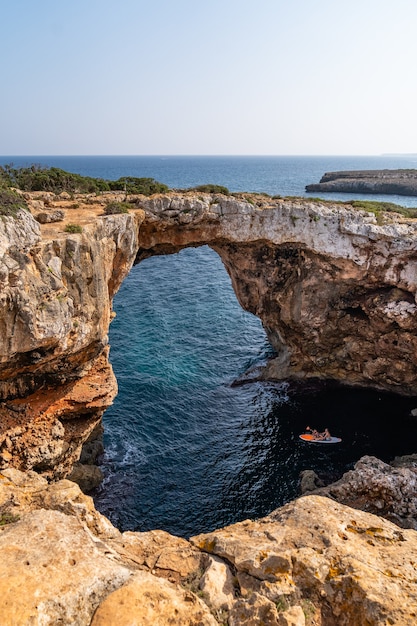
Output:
x=187 y=452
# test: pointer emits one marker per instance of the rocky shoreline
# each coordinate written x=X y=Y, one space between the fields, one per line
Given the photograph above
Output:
x=336 y=292
x=397 y=182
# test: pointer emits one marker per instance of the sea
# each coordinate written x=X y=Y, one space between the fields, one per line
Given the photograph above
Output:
x=186 y=450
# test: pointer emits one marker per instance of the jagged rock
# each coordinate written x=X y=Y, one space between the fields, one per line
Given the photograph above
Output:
x=309 y=481
x=355 y=567
x=294 y=616
x=381 y=489
x=254 y=611
x=217 y=583
x=93 y=448
x=63 y=562
x=161 y=553
x=87 y=477
x=52 y=572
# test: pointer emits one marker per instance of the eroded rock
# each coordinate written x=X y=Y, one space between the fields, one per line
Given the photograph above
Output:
x=379 y=488
x=313 y=561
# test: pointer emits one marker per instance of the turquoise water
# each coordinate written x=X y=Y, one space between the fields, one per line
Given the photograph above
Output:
x=186 y=451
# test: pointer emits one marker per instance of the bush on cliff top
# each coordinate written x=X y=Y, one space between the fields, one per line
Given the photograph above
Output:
x=39 y=178
x=212 y=189
x=11 y=202
x=381 y=207
x=115 y=208
x=132 y=185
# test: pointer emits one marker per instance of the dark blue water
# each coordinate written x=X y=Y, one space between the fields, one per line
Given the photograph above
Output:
x=186 y=451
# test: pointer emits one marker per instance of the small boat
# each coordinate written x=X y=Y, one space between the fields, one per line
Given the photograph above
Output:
x=312 y=439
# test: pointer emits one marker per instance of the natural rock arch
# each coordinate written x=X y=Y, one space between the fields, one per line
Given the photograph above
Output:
x=335 y=292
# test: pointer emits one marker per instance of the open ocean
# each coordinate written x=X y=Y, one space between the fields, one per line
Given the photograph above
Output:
x=185 y=451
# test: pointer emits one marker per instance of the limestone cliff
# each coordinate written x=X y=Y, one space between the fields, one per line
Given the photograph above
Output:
x=335 y=292
x=55 y=310
x=398 y=182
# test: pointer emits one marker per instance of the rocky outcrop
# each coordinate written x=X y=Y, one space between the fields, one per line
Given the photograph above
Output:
x=313 y=562
x=379 y=488
x=335 y=292
x=398 y=182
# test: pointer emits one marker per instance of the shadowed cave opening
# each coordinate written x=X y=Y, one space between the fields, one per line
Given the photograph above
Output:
x=186 y=451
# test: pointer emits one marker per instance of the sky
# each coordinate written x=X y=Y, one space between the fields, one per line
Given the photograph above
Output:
x=226 y=77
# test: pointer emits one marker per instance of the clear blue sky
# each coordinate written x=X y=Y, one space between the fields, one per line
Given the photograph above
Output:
x=212 y=77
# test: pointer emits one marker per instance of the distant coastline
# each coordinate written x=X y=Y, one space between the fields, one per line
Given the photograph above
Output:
x=402 y=182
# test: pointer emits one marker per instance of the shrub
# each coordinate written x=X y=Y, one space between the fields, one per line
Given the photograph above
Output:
x=11 y=202
x=73 y=228
x=40 y=178
x=381 y=207
x=212 y=189
x=7 y=517
x=114 y=208
x=132 y=185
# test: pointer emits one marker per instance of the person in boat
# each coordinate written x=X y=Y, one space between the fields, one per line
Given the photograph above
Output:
x=313 y=431
x=326 y=436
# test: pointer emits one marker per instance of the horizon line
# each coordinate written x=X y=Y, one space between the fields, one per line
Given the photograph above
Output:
x=385 y=154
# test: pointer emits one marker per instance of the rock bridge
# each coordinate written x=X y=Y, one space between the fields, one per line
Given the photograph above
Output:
x=335 y=291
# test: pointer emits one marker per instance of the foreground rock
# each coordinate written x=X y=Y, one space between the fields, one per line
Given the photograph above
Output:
x=347 y=566
x=313 y=562
x=398 y=182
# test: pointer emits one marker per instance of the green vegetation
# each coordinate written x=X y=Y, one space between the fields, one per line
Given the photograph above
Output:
x=383 y=207
x=115 y=208
x=73 y=228
x=11 y=202
x=144 y=186
x=212 y=189
x=6 y=517
x=378 y=208
x=39 y=178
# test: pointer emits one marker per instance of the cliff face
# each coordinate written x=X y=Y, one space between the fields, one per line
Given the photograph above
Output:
x=399 y=182
x=55 y=303
x=335 y=292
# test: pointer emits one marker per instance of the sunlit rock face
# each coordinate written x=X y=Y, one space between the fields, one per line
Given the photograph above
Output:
x=312 y=562
x=335 y=292
x=55 y=310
